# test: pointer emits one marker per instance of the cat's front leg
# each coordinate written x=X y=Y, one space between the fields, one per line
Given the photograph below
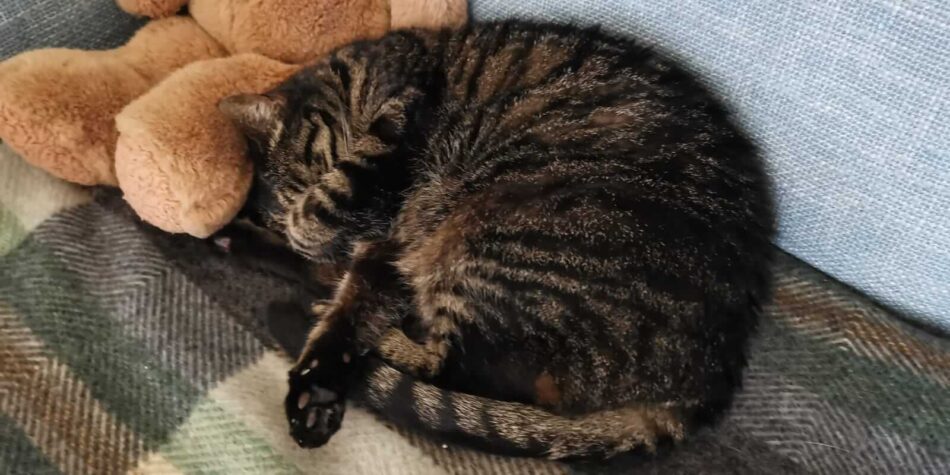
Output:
x=367 y=302
x=315 y=402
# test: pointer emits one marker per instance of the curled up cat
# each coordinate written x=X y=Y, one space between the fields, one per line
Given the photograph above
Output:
x=555 y=241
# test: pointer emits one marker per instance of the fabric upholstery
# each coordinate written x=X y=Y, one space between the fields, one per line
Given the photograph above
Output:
x=850 y=103
x=90 y=24
x=123 y=348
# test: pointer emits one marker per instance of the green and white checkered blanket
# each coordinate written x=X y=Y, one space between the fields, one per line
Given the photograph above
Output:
x=123 y=349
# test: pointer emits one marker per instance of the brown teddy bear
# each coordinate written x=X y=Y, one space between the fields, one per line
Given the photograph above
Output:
x=143 y=116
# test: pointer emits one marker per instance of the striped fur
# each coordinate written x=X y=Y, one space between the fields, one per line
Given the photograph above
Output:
x=512 y=427
x=569 y=225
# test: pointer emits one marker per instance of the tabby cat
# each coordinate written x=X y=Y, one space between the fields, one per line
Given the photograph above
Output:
x=556 y=242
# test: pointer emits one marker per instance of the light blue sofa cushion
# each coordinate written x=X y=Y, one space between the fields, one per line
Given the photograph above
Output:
x=850 y=103
x=91 y=24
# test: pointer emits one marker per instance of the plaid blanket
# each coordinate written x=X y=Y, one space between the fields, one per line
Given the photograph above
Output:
x=123 y=349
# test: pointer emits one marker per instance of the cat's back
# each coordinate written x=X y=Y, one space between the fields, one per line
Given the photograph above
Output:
x=515 y=84
x=555 y=106
x=583 y=191
x=487 y=60
x=607 y=156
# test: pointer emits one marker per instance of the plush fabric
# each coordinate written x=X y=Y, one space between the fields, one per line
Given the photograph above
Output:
x=58 y=106
x=850 y=102
x=184 y=178
x=125 y=348
x=93 y=24
x=143 y=116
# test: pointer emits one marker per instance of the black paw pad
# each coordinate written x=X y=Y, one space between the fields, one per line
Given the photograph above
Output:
x=314 y=408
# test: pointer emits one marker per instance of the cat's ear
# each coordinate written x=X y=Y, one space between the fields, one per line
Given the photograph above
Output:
x=256 y=115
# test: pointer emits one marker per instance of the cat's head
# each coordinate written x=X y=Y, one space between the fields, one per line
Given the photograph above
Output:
x=328 y=155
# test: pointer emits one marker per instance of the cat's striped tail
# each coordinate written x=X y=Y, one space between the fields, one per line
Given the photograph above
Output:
x=513 y=428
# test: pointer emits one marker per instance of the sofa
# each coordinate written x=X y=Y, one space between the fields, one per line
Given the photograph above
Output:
x=123 y=349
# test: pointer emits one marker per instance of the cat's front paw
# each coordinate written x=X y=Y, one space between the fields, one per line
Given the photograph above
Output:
x=314 y=405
